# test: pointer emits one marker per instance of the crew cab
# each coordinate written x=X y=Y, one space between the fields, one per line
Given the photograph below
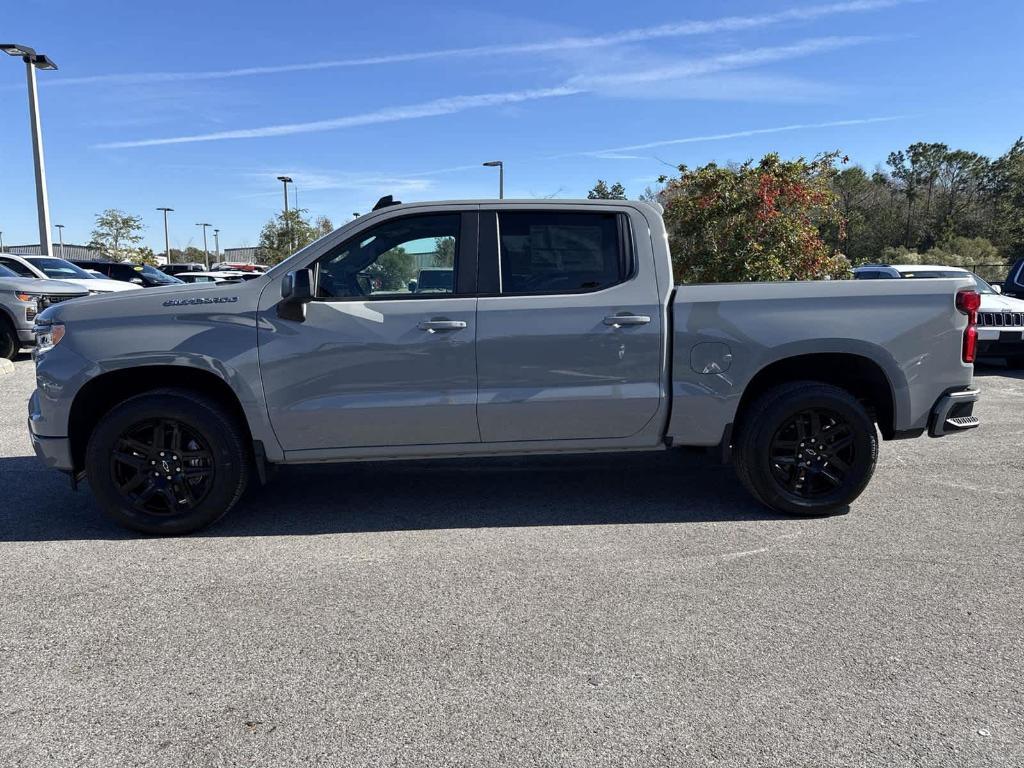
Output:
x=561 y=331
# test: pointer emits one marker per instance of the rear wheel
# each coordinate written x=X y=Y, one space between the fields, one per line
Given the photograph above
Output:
x=806 y=448
x=167 y=462
x=10 y=345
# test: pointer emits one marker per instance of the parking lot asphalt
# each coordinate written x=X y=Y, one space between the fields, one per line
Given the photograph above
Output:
x=615 y=610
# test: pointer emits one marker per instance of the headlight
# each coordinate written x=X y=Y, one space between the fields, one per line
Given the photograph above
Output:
x=48 y=337
x=32 y=300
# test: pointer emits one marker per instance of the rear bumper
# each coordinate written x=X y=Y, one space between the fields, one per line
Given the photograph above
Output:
x=954 y=412
x=26 y=337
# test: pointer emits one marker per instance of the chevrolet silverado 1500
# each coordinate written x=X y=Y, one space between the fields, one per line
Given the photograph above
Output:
x=561 y=330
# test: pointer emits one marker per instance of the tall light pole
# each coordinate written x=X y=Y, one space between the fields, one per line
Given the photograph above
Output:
x=500 y=165
x=286 y=180
x=167 y=239
x=32 y=61
x=206 y=248
x=1 y=242
x=216 y=243
x=60 y=232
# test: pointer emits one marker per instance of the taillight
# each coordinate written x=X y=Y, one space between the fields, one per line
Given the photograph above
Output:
x=969 y=302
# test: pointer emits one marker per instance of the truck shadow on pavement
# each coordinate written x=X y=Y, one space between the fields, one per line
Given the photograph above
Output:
x=605 y=489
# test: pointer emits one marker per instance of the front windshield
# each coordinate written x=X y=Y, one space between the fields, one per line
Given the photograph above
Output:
x=58 y=269
x=983 y=287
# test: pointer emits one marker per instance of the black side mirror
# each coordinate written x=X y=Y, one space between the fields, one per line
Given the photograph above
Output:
x=296 y=292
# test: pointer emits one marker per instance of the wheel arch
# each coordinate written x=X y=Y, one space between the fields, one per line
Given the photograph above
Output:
x=860 y=375
x=101 y=393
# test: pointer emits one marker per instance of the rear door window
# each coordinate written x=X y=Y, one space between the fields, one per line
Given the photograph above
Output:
x=564 y=252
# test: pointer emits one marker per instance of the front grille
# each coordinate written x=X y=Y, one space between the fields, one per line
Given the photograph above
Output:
x=1001 y=319
x=49 y=301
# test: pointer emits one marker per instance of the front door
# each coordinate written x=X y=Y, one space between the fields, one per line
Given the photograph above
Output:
x=570 y=329
x=386 y=355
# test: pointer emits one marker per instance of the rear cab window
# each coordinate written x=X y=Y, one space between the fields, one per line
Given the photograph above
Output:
x=546 y=252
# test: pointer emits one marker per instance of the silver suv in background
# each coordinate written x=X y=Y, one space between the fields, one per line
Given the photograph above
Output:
x=21 y=300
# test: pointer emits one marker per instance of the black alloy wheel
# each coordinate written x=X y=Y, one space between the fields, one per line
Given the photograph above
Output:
x=168 y=461
x=812 y=453
x=162 y=467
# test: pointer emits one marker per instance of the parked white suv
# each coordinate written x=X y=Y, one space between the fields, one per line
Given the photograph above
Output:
x=53 y=268
x=1000 y=319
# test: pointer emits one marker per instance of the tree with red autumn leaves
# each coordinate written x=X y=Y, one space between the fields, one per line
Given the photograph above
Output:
x=754 y=222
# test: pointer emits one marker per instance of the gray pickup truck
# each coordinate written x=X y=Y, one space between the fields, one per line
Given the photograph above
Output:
x=562 y=331
x=21 y=299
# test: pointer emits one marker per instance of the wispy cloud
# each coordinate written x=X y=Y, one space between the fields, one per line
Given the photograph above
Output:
x=576 y=86
x=725 y=24
x=618 y=153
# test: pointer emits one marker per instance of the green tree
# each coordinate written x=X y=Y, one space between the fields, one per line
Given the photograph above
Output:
x=117 y=234
x=1006 y=207
x=602 y=191
x=393 y=270
x=754 y=222
x=282 y=236
x=444 y=252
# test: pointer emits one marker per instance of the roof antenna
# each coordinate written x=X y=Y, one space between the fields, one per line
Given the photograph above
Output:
x=386 y=201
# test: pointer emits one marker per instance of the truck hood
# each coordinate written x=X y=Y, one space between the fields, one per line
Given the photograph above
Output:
x=993 y=302
x=36 y=285
x=151 y=301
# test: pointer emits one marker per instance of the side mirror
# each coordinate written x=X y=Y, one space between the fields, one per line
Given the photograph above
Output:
x=997 y=288
x=296 y=292
x=137 y=281
x=413 y=285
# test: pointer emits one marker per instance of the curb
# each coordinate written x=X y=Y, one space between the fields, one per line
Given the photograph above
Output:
x=6 y=366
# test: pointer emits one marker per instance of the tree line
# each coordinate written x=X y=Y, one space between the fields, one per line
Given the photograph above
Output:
x=780 y=219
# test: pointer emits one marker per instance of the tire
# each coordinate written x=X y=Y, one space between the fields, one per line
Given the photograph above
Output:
x=778 y=452
x=10 y=345
x=198 y=455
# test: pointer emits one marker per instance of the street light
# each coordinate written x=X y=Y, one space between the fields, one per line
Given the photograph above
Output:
x=206 y=248
x=286 y=180
x=216 y=242
x=500 y=165
x=1 y=242
x=33 y=61
x=60 y=231
x=167 y=240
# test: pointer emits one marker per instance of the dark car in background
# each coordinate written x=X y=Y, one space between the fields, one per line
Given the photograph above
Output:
x=177 y=269
x=1014 y=284
x=140 y=274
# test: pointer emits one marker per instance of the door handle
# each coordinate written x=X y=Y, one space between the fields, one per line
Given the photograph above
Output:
x=617 y=321
x=432 y=326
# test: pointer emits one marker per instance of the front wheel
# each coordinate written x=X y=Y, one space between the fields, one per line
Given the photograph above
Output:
x=806 y=448
x=167 y=462
x=9 y=343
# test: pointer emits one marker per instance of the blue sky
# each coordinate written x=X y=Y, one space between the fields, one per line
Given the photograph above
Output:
x=200 y=105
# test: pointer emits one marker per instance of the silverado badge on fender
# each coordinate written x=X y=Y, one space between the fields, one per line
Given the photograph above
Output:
x=201 y=300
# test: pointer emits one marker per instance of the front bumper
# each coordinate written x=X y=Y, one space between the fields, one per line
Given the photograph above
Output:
x=954 y=412
x=54 y=452
x=1001 y=343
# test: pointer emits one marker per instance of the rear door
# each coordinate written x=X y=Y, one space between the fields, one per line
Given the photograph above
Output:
x=570 y=331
